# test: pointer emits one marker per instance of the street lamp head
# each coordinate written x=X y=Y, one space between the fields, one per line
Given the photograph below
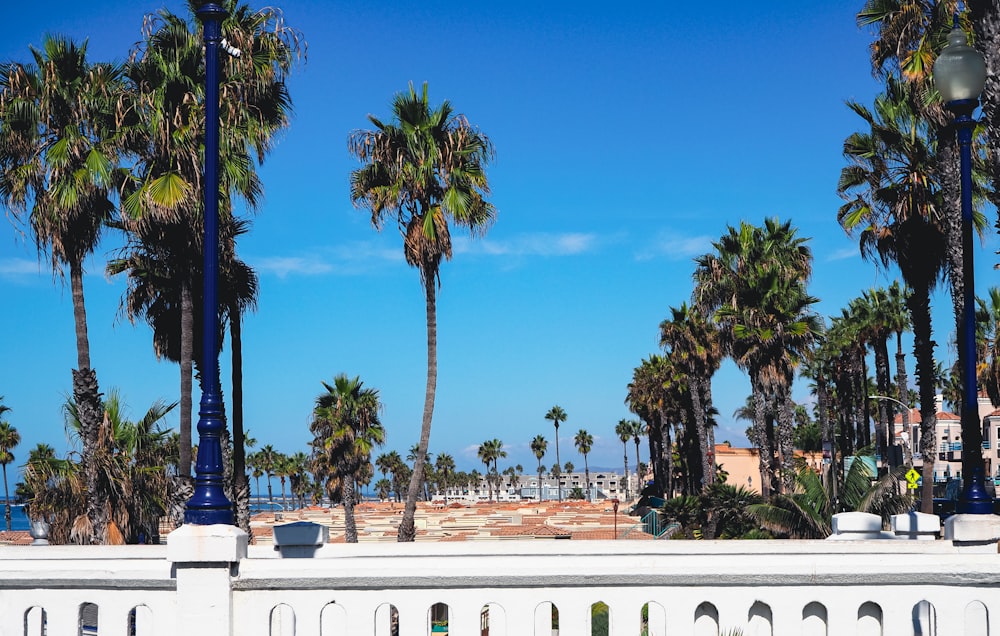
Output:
x=960 y=71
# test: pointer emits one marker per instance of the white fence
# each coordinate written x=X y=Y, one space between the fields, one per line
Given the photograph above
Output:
x=207 y=582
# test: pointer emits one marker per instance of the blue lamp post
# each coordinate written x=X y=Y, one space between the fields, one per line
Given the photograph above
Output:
x=208 y=504
x=959 y=75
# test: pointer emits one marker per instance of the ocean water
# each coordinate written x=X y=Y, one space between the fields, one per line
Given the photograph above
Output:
x=18 y=520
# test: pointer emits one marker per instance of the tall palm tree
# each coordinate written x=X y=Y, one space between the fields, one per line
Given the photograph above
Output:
x=60 y=148
x=695 y=348
x=165 y=123
x=556 y=415
x=754 y=286
x=584 y=442
x=893 y=202
x=346 y=428
x=9 y=439
x=623 y=429
x=423 y=169
x=486 y=454
x=538 y=447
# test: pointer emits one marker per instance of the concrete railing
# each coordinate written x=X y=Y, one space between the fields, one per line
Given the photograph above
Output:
x=208 y=582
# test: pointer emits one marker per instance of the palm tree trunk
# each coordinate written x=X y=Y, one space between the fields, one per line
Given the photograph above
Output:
x=784 y=441
x=87 y=398
x=625 y=451
x=79 y=316
x=903 y=390
x=638 y=477
x=6 y=497
x=923 y=351
x=586 y=475
x=241 y=483
x=558 y=479
x=407 y=531
x=761 y=438
x=350 y=525
x=698 y=415
x=883 y=435
x=186 y=364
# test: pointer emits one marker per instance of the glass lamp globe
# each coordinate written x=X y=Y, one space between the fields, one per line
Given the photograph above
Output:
x=960 y=71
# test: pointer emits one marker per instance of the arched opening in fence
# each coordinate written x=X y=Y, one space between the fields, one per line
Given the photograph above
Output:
x=492 y=620
x=386 y=620
x=35 y=621
x=654 y=619
x=870 y=620
x=600 y=619
x=924 y=619
x=333 y=620
x=88 y=618
x=546 y=619
x=814 y=620
x=706 y=620
x=282 y=620
x=977 y=620
x=140 y=621
x=437 y=618
x=760 y=620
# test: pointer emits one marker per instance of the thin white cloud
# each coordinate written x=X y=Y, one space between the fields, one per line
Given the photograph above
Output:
x=15 y=267
x=844 y=254
x=536 y=244
x=351 y=259
x=283 y=266
x=675 y=246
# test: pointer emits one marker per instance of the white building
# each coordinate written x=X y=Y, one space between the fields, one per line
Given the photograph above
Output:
x=603 y=485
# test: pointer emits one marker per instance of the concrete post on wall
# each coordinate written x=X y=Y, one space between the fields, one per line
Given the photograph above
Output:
x=204 y=558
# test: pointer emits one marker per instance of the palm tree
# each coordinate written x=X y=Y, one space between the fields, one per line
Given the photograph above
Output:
x=130 y=459
x=892 y=202
x=694 y=347
x=584 y=442
x=9 y=439
x=807 y=512
x=59 y=150
x=556 y=415
x=624 y=432
x=346 y=428
x=445 y=466
x=425 y=168
x=654 y=397
x=538 y=447
x=754 y=287
x=489 y=453
x=269 y=458
x=164 y=124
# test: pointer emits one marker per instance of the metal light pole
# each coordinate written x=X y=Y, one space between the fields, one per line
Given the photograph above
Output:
x=209 y=504
x=959 y=75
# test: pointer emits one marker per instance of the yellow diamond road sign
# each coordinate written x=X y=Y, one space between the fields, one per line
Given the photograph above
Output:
x=912 y=477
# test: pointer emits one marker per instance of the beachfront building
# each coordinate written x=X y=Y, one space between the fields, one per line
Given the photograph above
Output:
x=603 y=485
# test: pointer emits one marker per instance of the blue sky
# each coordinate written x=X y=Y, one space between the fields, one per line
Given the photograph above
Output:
x=627 y=139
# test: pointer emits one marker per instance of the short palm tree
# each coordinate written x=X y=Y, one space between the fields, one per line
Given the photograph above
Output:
x=538 y=447
x=584 y=443
x=423 y=170
x=444 y=464
x=807 y=512
x=556 y=415
x=346 y=429
x=623 y=429
x=9 y=439
x=268 y=459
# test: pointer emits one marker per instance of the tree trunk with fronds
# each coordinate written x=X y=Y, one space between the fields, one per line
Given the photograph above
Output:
x=90 y=412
